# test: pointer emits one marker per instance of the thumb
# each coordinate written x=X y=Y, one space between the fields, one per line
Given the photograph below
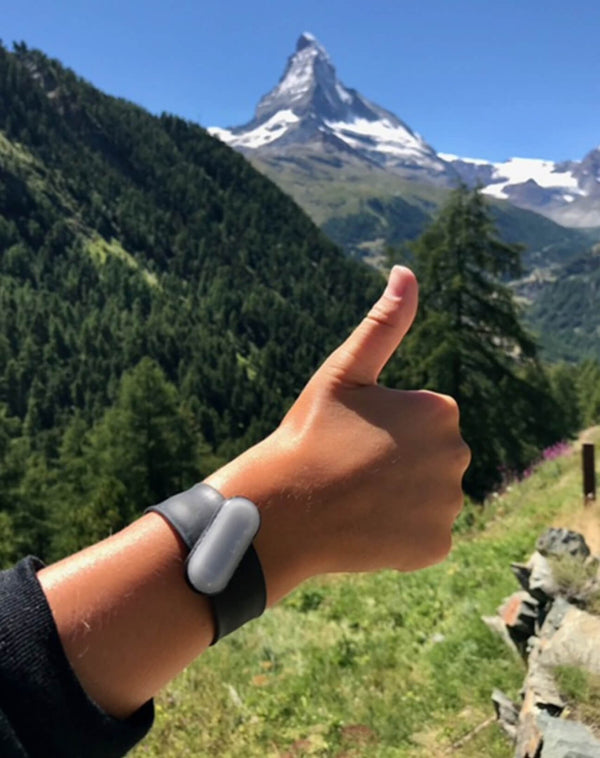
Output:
x=360 y=359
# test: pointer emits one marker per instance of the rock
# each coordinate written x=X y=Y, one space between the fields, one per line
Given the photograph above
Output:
x=520 y=613
x=522 y=572
x=568 y=636
x=576 y=641
x=548 y=631
x=559 y=542
x=542 y=584
x=566 y=739
x=496 y=625
x=507 y=713
x=539 y=689
x=529 y=736
x=558 y=611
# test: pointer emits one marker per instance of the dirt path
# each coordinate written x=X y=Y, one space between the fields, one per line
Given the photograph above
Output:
x=587 y=520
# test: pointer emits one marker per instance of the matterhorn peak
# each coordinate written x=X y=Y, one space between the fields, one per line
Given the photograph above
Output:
x=306 y=39
x=308 y=70
x=310 y=109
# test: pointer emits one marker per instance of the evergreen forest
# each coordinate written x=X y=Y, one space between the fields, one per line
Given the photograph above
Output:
x=162 y=303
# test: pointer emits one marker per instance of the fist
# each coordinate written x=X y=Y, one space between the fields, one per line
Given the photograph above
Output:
x=357 y=477
x=382 y=468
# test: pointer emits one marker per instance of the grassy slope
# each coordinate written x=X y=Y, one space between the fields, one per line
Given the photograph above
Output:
x=383 y=665
x=328 y=193
x=339 y=192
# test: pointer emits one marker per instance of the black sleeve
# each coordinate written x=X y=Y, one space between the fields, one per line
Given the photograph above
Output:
x=44 y=711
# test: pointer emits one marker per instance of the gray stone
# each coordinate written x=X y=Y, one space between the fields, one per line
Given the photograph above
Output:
x=522 y=572
x=496 y=625
x=558 y=611
x=539 y=687
x=507 y=713
x=529 y=736
x=549 y=631
x=559 y=542
x=566 y=739
x=520 y=612
x=576 y=642
x=542 y=584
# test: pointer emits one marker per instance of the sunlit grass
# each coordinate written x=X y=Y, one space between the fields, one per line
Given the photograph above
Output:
x=381 y=665
x=581 y=690
x=100 y=250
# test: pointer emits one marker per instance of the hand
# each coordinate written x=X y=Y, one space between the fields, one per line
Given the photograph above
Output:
x=358 y=477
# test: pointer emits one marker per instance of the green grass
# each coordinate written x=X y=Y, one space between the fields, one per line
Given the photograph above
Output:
x=44 y=184
x=18 y=160
x=14 y=152
x=379 y=666
x=576 y=579
x=342 y=191
x=100 y=249
x=581 y=690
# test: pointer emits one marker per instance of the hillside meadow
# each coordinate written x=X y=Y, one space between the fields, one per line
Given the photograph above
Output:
x=385 y=666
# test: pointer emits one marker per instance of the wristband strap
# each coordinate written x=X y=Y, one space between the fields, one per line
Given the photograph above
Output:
x=191 y=514
x=245 y=597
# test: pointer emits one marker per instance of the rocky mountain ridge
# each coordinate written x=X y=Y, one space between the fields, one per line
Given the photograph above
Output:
x=311 y=108
x=567 y=192
x=311 y=118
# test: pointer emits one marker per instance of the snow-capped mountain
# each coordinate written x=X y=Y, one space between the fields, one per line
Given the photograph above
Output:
x=311 y=108
x=311 y=124
x=567 y=192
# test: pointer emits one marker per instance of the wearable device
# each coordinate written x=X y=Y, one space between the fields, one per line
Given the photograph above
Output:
x=222 y=563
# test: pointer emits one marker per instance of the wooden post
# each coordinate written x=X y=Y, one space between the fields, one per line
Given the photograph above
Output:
x=589 y=473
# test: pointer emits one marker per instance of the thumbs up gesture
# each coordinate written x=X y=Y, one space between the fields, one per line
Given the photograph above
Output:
x=357 y=477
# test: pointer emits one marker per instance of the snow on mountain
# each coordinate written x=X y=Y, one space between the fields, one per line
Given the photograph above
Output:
x=501 y=178
x=563 y=191
x=543 y=173
x=311 y=107
x=270 y=130
x=387 y=135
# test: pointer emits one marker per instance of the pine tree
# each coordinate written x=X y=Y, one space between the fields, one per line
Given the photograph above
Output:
x=468 y=341
x=588 y=387
x=144 y=441
x=141 y=451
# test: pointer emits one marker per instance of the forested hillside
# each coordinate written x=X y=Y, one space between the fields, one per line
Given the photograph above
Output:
x=403 y=214
x=162 y=303
x=126 y=236
x=567 y=309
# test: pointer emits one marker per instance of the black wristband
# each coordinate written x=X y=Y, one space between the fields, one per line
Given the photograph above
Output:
x=190 y=514
x=245 y=597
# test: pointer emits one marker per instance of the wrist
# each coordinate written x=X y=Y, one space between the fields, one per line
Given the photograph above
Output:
x=265 y=475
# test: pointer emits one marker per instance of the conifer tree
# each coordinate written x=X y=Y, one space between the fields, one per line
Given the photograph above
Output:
x=468 y=342
x=143 y=441
x=588 y=386
x=141 y=451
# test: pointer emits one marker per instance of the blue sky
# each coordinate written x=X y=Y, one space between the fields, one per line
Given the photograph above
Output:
x=480 y=78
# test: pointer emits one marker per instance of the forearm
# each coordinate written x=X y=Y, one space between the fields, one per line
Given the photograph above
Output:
x=128 y=621
x=126 y=618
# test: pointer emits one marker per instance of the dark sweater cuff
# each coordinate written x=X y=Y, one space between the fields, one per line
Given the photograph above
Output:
x=39 y=693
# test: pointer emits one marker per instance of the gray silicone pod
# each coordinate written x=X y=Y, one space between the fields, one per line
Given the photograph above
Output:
x=218 y=552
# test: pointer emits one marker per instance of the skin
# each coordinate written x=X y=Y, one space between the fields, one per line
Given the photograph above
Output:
x=357 y=477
